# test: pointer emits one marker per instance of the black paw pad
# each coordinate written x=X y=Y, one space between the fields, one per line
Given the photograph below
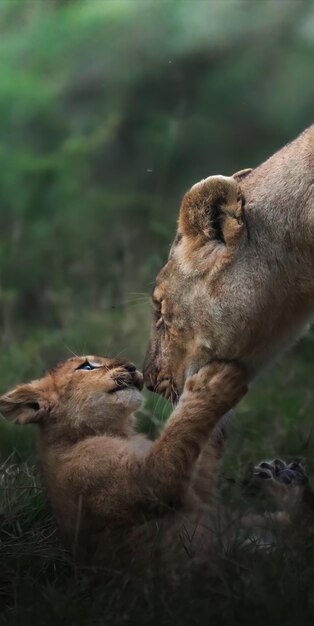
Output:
x=263 y=473
x=286 y=476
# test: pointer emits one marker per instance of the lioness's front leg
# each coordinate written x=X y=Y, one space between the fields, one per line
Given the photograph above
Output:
x=207 y=396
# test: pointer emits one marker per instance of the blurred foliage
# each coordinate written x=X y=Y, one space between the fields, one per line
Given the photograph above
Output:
x=109 y=110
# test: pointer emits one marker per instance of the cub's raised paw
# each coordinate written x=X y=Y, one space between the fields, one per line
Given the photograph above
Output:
x=222 y=382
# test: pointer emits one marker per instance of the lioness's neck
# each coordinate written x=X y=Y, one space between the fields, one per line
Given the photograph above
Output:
x=280 y=206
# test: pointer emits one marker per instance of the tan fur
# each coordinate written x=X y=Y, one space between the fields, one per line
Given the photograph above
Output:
x=116 y=495
x=239 y=283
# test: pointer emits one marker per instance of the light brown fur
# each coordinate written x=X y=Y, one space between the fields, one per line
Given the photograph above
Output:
x=116 y=495
x=238 y=284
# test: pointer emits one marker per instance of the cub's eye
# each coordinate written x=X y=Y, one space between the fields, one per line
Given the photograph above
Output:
x=87 y=366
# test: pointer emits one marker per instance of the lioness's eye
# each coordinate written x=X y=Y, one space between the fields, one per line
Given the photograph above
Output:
x=156 y=303
x=87 y=366
x=159 y=322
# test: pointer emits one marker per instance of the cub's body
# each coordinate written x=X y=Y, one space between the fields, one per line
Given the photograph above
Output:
x=118 y=497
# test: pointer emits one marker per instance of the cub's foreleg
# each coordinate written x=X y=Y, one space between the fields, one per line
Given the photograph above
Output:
x=207 y=465
x=207 y=395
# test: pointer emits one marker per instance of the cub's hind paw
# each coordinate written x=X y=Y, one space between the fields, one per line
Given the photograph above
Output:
x=286 y=483
x=279 y=471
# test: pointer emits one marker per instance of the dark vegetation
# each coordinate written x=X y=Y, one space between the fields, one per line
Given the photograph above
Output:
x=109 y=110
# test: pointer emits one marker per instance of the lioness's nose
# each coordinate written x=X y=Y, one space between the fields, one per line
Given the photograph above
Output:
x=149 y=379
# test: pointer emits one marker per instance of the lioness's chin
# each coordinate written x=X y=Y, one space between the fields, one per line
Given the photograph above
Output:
x=130 y=397
x=193 y=368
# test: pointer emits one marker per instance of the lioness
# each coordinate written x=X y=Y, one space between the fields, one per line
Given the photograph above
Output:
x=239 y=283
x=115 y=494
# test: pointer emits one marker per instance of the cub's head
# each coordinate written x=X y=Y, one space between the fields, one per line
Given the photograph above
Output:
x=81 y=396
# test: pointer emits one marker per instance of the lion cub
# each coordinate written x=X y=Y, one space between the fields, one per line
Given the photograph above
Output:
x=115 y=494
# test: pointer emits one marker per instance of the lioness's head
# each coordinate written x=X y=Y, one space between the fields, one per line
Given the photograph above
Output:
x=81 y=396
x=187 y=293
x=238 y=282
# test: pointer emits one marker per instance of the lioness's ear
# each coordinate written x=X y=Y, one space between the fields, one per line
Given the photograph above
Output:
x=212 y=209
x=23 y=404
x=238 y=176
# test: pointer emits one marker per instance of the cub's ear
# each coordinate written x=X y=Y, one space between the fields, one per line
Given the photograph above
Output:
x=212 y=210
x=23 y=404
x=238 y=176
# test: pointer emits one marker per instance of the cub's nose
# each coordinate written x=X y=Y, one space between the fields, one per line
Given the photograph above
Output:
x=136 y=377
x=130 y=367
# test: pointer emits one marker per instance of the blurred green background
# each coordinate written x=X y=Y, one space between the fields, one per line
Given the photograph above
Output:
x=109 y=111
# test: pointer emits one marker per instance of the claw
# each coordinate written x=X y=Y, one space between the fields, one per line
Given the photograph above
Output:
x=296 y=466
x=267 y=466
x=279 y=465
x=265 y=474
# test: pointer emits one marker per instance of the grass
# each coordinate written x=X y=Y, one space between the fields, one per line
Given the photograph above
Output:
x=39 y=584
